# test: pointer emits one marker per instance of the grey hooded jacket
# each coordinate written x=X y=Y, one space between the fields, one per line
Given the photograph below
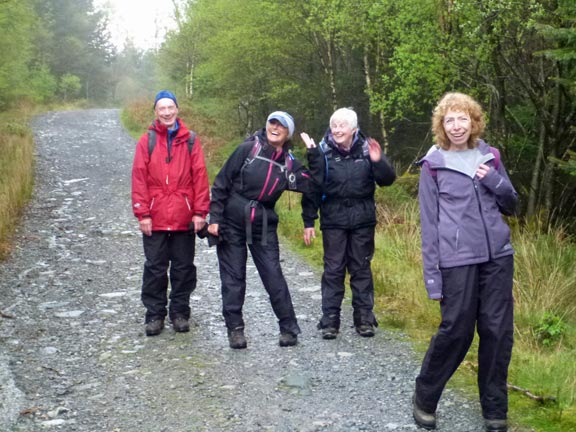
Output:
x=460 y=214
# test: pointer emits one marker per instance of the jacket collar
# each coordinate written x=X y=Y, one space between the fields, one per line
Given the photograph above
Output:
x=436 y=159
x=357 y=141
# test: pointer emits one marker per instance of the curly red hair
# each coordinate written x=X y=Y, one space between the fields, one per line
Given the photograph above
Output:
x=454 y=101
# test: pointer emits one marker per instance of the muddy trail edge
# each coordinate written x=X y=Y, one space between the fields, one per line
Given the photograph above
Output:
x=73 y=354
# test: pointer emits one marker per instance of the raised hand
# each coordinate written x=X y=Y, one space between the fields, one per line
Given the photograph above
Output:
x=482 y=171
x=309 y=142
x=374 y=150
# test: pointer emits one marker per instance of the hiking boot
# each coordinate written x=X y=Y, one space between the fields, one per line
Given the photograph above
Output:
x=365 y=330
x=496 y=425
x=287 y=339
x=329 y=333
x=180 y=324
x=236 y=338
x=154 y=327
x=422 y=418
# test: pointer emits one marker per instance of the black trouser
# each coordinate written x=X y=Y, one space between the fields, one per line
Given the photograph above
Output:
x=350 y=250
x=232 y=256
x=163 y=249
x=475 y=295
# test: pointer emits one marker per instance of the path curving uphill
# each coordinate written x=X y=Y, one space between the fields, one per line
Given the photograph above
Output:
x=73 y=354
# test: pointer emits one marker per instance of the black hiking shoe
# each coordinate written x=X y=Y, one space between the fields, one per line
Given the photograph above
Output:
x=236 y=338
x=154 y=327
x=365 y=330
x=180 y=324
x=496 y=425
x=287 y=339
x=422 y=418
x=329 y=333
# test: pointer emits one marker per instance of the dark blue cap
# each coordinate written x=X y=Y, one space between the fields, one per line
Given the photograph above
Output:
x=165 y=94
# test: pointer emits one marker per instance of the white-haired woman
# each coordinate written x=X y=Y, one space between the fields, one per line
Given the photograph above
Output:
x=242 y=214
x=346 y=167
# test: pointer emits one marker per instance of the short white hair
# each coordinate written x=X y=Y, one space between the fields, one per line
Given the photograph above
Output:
x=346 y=115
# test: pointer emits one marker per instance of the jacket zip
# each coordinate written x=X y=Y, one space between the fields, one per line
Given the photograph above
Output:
x=482 y=217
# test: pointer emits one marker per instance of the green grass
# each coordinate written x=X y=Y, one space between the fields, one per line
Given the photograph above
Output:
x=16 y=171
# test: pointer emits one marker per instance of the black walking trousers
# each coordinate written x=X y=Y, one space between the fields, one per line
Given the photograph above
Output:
x=473 y=296
x=163 y=249
x=232 y=256
x=350 y=250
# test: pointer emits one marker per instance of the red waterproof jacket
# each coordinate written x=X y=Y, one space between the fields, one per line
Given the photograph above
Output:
x=169 y=188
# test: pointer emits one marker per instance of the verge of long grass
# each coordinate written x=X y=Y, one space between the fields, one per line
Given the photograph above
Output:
x=545 y=277
x=16 y=172
x=401 y=299
x=544 y=286
x=549 y=374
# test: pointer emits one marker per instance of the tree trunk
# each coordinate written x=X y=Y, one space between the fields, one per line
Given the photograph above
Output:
x=332 y=75
x=381 y=117
x=555 y=150
x=328 y=66
x=190 y=79
x=533 y=192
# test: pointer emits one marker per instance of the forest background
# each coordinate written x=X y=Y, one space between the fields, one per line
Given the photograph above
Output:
x=231 y=62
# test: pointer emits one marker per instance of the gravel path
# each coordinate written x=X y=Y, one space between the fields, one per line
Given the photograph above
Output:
x=73 y=354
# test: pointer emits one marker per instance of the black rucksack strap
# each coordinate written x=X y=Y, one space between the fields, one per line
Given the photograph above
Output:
x=152 y=141
x=191 y=141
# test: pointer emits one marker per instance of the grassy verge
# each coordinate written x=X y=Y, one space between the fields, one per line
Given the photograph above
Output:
x=16 y=171
x=543 y=369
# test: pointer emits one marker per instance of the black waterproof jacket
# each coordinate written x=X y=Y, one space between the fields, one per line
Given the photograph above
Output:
x=253 y=178
x=344 y=184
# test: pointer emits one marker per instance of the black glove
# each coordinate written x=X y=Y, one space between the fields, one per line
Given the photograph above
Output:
x=212 y=239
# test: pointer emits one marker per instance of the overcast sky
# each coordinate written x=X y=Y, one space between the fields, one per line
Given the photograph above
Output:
x=145 y=22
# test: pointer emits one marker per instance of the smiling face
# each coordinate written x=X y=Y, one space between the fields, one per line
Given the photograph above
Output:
x=342 y=133
x=166 y=112
x=457 y=126
x=276 y=134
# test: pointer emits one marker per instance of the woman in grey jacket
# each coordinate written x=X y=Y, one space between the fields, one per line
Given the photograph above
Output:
x=468 y=259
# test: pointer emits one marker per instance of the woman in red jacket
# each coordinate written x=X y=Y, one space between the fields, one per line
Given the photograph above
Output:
x=170 y=198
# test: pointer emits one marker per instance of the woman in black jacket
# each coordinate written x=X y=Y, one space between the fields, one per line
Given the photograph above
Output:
x=347 y=165
x=242 y=214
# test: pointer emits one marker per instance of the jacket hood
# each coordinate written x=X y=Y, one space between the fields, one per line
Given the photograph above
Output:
x=435 y=158
x=160 y=128
x=181 y=130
